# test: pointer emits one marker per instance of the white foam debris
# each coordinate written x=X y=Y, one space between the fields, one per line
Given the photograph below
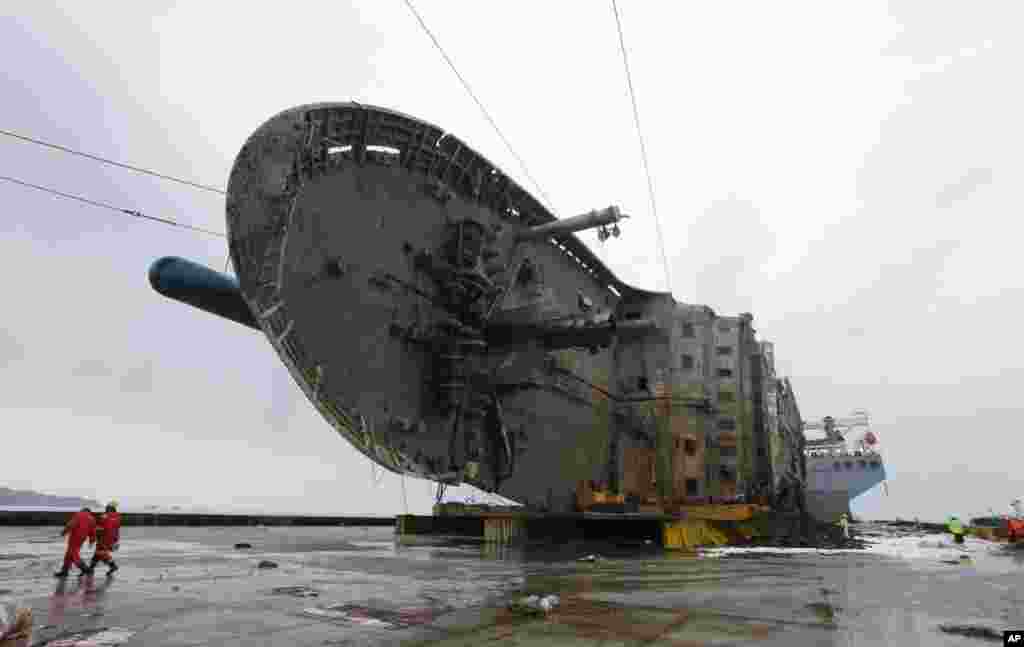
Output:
x=537 y=603
x=932 y=547
x=732 y=550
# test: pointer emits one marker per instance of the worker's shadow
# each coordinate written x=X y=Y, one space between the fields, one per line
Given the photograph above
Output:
x=94 y=592
x=60 y=599
x=86 y=593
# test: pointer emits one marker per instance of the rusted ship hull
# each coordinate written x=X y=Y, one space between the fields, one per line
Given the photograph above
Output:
x=446 y=324
x=332 y=211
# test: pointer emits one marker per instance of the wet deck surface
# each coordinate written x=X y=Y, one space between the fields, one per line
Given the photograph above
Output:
x=346 y=586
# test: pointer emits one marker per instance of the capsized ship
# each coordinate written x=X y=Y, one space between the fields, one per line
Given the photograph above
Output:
x=439 y=317
x=843 y=464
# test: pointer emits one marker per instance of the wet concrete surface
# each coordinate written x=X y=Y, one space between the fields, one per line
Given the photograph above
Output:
x=351 y=586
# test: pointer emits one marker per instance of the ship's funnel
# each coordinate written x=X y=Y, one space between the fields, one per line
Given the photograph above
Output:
x=200 y=287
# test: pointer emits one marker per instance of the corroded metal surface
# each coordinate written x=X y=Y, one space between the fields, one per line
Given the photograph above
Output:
x=386 y=262
x=449 y=327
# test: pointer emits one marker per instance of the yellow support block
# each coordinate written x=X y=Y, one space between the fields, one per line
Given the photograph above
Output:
x=736 y=512
x=692 y=533
x=984 y=533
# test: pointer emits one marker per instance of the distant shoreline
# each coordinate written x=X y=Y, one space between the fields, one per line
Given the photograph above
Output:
x=39 y=508
x=58 y=517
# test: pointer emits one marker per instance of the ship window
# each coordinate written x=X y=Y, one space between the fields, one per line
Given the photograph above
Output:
x=861 y=464
x=760 y=452
x=632 y=315
x=725 y=372
x=690 y=447
x=724 y=350
x=836 y=466
x=849 y=465
x=641 y=383
x=688 y=330
x=691 y=487
x=677 y=443
x=687 y=362
x=726 y=424
x=726 y=396
x=874 y=465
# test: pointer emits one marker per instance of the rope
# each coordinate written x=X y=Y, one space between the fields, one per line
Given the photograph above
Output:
x=643 y=149
x=405 y=498
x=375 y=476
x=479 y=104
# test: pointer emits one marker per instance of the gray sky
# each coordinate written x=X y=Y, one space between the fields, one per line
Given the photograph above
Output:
x=842 y=170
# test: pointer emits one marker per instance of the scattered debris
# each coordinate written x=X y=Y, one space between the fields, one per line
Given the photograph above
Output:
x=824 y=610
x=300 y=591
x=972 y=631
x=535 y=605
x=266 y=563
x=243 y=544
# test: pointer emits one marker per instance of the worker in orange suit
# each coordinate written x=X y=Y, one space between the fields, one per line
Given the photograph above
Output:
x=82 y=526
x=108 y=536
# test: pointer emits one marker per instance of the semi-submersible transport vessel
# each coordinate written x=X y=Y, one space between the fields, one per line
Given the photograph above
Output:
x=449 y=327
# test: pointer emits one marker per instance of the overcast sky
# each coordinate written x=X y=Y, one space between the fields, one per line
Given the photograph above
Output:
x=842 y=170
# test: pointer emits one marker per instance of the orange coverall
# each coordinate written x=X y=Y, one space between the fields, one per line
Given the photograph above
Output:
x=109 y=533
x=81 y=527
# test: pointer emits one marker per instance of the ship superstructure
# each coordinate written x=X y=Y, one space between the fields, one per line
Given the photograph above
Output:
x=844 y=460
